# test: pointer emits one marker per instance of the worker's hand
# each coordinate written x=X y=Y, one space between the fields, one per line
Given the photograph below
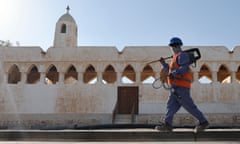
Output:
x=162 y=60
x=171 y=76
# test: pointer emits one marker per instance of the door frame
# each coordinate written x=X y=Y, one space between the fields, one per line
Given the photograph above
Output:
x=128 y=96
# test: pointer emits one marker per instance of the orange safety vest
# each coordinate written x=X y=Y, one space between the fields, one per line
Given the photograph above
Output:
x=183 y=80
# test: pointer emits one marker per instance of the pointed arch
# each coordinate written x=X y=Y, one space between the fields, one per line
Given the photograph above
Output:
x=71 y=76
x=109 y=75
x=128 y=75
x=52 y=75
x=33 y=75
x=63 y=28
x=147 y=74
x=205 y=75
x=238 y=75
x=223 y=75
x=90 y=75
x=14 y=75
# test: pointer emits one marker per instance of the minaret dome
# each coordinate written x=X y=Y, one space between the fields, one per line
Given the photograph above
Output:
x=66 y=31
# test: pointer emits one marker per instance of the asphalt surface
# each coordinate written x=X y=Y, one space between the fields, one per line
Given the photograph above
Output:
x=117 y=136
x=40 y=142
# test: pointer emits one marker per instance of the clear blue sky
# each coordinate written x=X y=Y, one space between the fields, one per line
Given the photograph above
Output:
x=124 y=22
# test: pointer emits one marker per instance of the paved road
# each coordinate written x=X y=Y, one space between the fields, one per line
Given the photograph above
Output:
x=39 y=142
x=120 y=136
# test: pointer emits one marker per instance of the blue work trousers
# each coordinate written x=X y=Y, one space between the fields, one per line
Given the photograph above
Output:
x=180 y=96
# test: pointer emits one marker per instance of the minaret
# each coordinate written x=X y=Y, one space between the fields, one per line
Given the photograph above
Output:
x=65 y=32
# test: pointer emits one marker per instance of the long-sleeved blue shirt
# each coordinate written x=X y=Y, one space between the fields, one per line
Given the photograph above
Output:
x=183 y=62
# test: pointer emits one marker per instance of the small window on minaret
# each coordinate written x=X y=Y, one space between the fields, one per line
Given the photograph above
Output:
x=63 y=28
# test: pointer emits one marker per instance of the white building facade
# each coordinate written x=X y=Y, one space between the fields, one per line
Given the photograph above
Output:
x=88 y=85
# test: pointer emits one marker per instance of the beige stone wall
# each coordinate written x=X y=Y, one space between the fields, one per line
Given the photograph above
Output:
x=28 y=92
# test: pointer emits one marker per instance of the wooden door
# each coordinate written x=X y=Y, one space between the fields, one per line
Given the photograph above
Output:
x=127 y=100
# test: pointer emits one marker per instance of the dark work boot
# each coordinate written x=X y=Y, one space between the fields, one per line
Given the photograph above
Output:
x=202 y=126
x=164 y=128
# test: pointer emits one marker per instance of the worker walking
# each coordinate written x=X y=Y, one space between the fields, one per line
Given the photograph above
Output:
x=179 y=78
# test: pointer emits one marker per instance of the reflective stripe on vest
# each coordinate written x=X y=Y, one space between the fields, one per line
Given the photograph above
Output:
x=183 y=80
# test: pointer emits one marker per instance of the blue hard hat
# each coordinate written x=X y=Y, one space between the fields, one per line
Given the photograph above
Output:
x=175 y=41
